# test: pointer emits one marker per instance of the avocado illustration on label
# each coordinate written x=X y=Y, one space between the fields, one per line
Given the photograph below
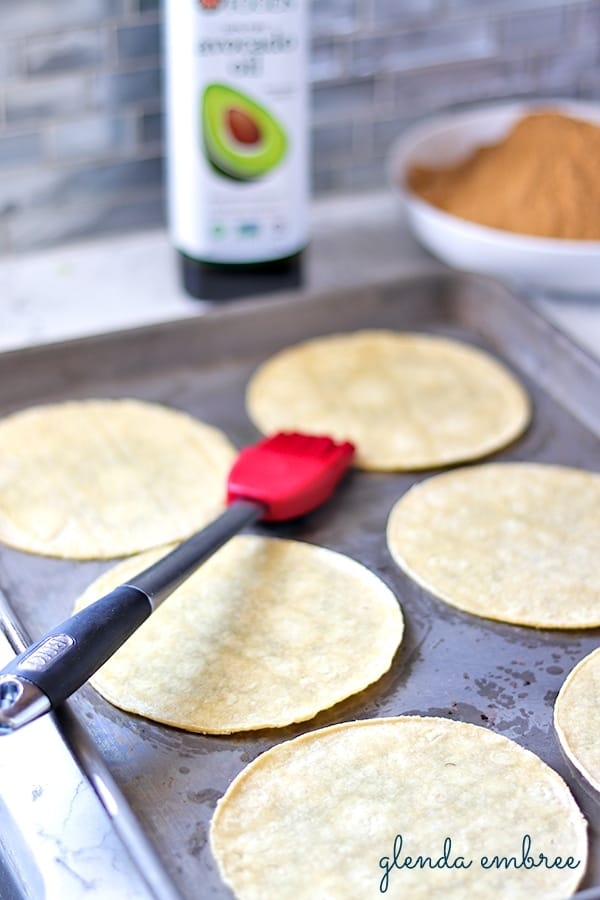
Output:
x=241 y=139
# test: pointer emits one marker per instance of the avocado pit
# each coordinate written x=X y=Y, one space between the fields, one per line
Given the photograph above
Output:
x=242 y=127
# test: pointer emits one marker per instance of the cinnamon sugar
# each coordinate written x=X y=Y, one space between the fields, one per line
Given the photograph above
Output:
x=542 y=179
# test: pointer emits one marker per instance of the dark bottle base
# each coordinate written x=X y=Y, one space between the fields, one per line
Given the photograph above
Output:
x=213 y=281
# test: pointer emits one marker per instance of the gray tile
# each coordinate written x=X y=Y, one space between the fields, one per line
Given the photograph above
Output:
x=591 y=15
x=45 y=227
x=142 y=212
x=584 y=22
x=45 y=99
x=112 y=177
x=364 y=175
x=19 y=149
x=332 y=141
x=51 y=187
x=385 y=93
x=559 y=73
x=91 y=136
x=62 y=52
x=333 y=102
x=423 y=47
x=137 y=41
x=366 y=55
x=588 y=86
x=151 y=128
x=542 y=27
x=26 y=17
x=10 y=62
x=362 y=138
x=119 y=89
x=327 y=60
x=429 y=90
x=467 y=8
x=377 y=66
x=5 y=246
x=403 y=12
x=386 y=132
x=326 y=181
x=334 y=17
x=35 y=187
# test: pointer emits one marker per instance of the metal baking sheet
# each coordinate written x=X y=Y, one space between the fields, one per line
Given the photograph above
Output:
x=450 y=664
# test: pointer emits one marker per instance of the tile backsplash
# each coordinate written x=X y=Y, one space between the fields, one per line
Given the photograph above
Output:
x=80 y=94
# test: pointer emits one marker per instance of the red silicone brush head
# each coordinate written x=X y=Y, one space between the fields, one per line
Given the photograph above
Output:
x=289 y=474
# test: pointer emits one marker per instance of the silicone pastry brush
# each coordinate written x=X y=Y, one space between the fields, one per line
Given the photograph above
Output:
x=280 y=478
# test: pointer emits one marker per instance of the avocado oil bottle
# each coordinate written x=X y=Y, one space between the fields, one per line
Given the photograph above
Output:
x=236 y=79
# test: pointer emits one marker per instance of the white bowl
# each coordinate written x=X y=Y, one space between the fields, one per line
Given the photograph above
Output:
x=552 y=264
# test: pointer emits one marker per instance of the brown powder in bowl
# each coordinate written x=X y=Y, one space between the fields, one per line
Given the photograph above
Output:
x=542 y=179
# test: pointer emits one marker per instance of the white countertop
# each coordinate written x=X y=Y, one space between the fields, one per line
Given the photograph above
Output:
x=129 y=280
x=47 y=809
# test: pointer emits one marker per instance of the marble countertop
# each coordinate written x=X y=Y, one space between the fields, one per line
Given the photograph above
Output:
x=54 y=832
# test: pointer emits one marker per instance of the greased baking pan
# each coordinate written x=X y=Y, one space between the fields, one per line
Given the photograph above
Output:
x=450 y=664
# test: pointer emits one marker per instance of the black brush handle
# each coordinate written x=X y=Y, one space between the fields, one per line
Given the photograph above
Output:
x=161 y=579
x=67 y=656
x=60 y=662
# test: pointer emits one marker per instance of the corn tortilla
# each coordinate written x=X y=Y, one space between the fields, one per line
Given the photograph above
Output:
x=516 y=542
x=267 y=632
x=407 y=401
x=314 y=816
x=96 y=479
x=577 y=717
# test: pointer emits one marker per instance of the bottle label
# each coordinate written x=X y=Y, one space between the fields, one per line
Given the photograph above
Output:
x=237 y=128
